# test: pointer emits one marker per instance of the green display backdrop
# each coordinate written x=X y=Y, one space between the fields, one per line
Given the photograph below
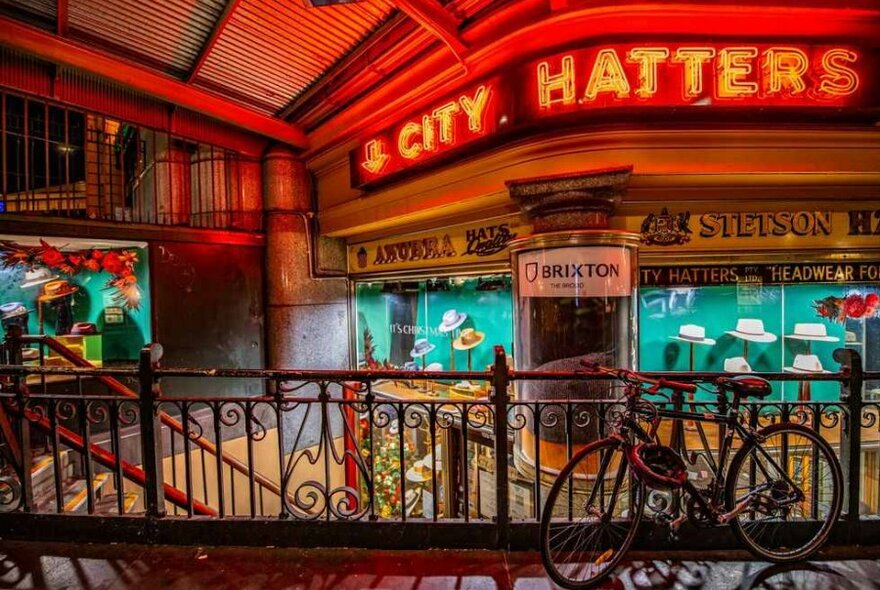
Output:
x=393 y=315
x=718 y=309
x=123 y=338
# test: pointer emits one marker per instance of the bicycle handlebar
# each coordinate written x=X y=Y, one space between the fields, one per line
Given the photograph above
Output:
x=634 y=377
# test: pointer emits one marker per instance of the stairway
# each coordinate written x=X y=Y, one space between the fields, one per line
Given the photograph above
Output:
x=74 y=488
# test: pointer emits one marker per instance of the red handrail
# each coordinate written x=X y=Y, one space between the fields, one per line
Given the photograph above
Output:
x=120 y=389
x=108 y=459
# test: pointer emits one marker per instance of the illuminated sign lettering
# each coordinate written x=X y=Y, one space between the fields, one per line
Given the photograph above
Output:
x=448 y=125
x=605 y=77
x=683 y=75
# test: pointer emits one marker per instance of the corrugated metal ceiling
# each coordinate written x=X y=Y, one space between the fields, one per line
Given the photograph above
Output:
x=38 y=12
x=271 y=50
x=268 y=53
x=168 y=33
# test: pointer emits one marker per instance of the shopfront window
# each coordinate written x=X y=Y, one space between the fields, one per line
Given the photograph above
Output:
x=756 y=325
x=441 y=324
x=94 y=297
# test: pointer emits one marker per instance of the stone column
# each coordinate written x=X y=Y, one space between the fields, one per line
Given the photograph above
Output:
x=307 y=317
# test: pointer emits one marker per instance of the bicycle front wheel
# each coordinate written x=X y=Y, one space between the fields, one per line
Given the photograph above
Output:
x=591 y=516
x=791 y=488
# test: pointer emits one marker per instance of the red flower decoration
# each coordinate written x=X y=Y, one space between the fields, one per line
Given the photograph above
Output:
x=119 y=263
x=872 y=299
x=854 y=306
x=112 y=263
x=52 y=257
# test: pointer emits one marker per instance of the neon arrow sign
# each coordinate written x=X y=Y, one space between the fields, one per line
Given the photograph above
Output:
x=464 y=118
x=375 y=156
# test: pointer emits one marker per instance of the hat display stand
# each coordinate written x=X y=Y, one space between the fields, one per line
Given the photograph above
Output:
x=468 y=340
x=449 y=323
x=751 y=330
x=693 y=335
x=809 y=333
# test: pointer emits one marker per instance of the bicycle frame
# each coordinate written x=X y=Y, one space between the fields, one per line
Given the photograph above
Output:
x=729 y=427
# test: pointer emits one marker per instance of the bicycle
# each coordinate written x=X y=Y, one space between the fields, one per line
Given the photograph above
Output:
x=781 y=493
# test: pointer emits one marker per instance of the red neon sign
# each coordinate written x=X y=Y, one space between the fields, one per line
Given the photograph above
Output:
x=465 y=117
x=664 y=75
x=637 y=76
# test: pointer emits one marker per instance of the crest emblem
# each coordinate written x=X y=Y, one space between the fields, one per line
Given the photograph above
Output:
x=666 y=229
x=531 y=271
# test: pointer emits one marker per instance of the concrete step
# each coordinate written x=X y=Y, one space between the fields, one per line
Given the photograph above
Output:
x=43 y=472
x=76 y=496
x=107 y=503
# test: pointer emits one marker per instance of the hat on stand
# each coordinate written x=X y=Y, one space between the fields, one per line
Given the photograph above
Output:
x=850 y=339
x=694 y=334
x=421 y=347
x=751 y=330
x=83 y=329
x=56 y=290
x=451 y=320
x=815 y=332
x=36 y=276
x=11 y=310
x=737 y=364
x=468 y=339
x=805 y=363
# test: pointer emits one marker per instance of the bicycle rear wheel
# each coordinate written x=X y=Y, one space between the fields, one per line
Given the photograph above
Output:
x=591 y=516
x=793 y=485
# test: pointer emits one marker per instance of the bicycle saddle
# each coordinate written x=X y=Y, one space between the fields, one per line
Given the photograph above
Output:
x=745 y=386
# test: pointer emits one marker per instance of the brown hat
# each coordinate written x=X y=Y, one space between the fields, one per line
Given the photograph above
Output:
x=57 y=289
x=468 y=339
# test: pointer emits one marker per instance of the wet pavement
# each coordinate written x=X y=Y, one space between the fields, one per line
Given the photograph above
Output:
x=69 y=566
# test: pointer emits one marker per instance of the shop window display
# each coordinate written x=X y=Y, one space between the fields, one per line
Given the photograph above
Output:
x=92 y=296
x=765 y=328
x=442 y=324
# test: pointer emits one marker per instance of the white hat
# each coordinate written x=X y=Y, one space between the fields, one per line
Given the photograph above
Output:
x=421 y=347
x=752 y=330
x=434 y=367
x=805 y=363
x=37 y=276
x=737 y=364
x=812 y=332
x=693 y=333
x=419 y=472
x=850 y=338
x=451 y=320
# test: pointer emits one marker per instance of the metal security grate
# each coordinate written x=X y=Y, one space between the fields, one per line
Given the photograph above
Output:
x=58 y=161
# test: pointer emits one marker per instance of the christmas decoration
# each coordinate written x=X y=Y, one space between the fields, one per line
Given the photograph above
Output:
x=387 y=471
x=118 y=263
x=853 y=306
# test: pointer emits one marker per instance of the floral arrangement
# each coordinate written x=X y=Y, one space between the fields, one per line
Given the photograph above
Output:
x=853 y=306
x=118 y=263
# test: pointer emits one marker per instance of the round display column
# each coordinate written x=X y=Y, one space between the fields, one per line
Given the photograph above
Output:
x=575 y=284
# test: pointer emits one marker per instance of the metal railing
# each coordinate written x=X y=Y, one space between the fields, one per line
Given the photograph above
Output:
x=352 y=458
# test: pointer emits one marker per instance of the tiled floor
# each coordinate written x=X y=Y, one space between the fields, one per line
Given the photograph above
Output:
x=67 y=566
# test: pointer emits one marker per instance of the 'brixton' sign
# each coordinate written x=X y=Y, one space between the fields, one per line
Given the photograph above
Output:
x=637 y=76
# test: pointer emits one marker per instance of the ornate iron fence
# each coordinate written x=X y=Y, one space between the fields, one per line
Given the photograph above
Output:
x=328 y=458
